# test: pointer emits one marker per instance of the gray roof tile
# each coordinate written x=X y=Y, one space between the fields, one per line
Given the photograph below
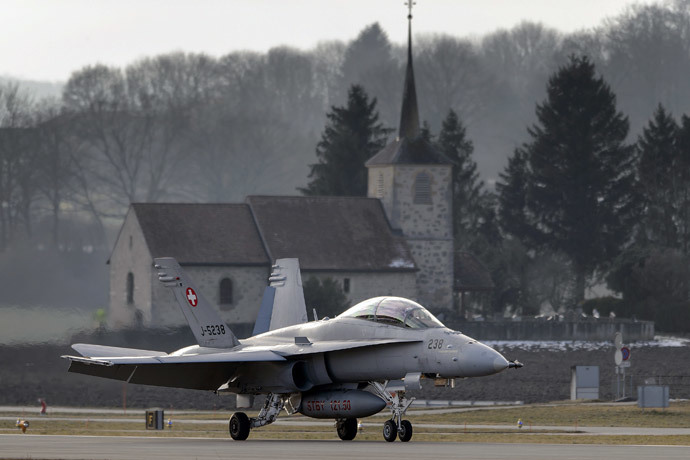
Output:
x=202 y=234
x=330 y=233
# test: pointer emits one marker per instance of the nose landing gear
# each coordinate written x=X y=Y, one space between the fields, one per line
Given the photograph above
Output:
x=395 y=427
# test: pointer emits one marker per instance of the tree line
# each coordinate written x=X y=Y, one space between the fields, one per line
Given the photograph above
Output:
x=576 y=205
x=189 y=127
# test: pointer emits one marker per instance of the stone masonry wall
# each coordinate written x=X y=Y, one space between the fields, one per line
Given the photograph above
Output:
x=434 y=258
x=428 y=229
x=130 y=254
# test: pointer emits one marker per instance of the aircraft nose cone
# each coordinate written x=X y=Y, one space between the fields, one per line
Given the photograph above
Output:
x=483 y=360
x=500 y=362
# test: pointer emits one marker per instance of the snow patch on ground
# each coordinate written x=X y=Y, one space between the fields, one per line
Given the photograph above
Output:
x=569 y=345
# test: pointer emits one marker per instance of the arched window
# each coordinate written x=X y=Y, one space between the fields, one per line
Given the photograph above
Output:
x=422 y=188
x=130 y=288
x=226 y=291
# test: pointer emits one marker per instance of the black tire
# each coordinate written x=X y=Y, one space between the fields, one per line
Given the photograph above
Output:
x=405 y=433
x=347 y=429
x=239 y=426
x=390 y=431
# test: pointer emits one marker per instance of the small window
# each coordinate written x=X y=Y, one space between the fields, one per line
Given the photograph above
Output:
x=346 y=285
x=422 y=188
x=131 y=241
x=130 y=288
x=379 y=186
x=226 y=291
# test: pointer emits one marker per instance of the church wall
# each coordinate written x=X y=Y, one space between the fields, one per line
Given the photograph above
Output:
x=434 y=258
x=428 y=227
x=130 y=255
x=248 y=285
x=424 y=220
x=380 y=185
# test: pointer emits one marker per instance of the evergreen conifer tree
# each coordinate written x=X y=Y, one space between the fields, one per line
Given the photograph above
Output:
x=352 y=135
x=658 y=156
x=581 y=171
x=512 y=197
x=467 y=188
x=683 y=176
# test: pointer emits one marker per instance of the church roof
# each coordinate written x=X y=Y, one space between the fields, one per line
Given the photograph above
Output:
x=471 y=274
x=201 y=234
x=409 y=113
x=330 y=233
x=409 y=151
x=325 y=233
x=409 y=147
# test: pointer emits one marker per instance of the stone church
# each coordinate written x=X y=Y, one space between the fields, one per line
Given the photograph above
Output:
x=396 y=241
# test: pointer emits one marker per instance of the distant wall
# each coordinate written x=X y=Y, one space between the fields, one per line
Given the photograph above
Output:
x=555 y=330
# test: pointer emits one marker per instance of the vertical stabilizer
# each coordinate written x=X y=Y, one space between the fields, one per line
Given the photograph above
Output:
x=283 y=300
x=207 y=326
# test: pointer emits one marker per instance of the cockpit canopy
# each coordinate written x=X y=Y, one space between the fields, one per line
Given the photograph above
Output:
x=395 y=311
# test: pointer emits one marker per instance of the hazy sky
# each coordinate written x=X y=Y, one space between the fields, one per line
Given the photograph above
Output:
x=48 y=39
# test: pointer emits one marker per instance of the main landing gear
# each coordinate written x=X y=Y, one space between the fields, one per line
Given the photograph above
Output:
x=240 y=424
x=346 y=428
x=395 y=427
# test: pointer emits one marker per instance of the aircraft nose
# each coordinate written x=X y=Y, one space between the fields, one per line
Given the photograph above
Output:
x=480 y=359
x=500 y=362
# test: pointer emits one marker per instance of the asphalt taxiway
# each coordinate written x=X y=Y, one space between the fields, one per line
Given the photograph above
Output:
x=128 y=447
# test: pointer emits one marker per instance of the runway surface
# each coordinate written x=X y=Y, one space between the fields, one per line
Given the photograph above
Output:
x=39 y=447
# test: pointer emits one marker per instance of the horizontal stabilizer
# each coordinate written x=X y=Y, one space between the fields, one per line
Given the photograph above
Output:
x=101 y=351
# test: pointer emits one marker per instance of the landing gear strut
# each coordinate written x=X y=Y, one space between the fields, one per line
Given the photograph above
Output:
x=240 y=424
x=395 y=427
x=346 y=428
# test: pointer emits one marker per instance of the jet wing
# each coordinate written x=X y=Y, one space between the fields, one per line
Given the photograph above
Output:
x=195 y=371
x=303 y=346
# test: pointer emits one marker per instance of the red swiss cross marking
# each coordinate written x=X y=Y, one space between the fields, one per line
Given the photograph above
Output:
x=191 y=297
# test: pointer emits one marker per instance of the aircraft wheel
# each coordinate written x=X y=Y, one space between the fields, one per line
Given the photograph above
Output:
x=347 y=429
x=405 y=433
x=239 y=426
x=390 y=431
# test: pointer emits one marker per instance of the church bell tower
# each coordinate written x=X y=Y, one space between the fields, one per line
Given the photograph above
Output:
x=414 y=182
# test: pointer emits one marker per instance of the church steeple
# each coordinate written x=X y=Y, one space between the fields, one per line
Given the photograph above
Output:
x=409 y=115
x=410 y=147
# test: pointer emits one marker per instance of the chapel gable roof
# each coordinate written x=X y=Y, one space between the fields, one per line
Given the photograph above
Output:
x=409 y=151
x=330 y=233
x=201 y=234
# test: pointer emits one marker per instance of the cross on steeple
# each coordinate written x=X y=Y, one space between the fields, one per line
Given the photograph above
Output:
x=409 y=5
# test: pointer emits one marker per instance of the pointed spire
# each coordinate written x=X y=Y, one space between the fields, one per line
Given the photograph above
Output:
x=409 y=115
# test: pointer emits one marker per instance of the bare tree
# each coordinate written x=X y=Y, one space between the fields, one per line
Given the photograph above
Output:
x=55 y=169
x=450 y=76
x=17 y=161
x=115 y=132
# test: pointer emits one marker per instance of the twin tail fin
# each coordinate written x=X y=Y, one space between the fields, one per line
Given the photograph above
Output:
x=206 y=324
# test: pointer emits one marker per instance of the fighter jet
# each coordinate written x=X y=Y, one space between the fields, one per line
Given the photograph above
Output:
x=342 y=368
